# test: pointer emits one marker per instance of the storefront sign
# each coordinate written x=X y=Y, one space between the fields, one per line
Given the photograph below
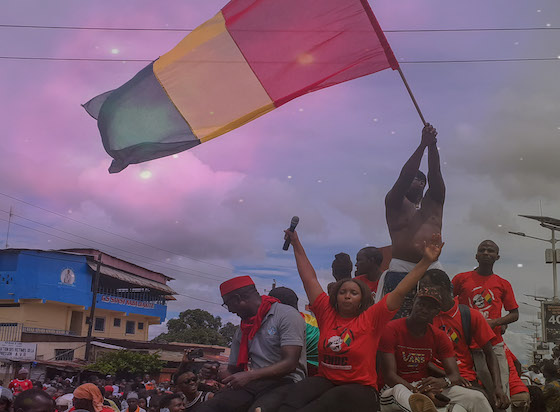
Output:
x=126 y=302
x=551 y=322
x=18 y=350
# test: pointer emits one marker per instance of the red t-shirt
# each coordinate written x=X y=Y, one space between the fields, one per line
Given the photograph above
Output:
x=487 y=294
x=481 y=333
x=516 y=385
x=413 y=353
x=371 y=285
x=348 y=346
x=18 y=386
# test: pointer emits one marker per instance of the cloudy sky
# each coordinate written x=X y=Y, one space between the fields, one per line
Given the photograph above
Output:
x=328 y=157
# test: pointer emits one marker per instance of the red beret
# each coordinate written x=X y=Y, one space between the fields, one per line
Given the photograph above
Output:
x=235 y=283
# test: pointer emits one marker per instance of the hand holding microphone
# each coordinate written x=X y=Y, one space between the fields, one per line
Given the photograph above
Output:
x=293 y=224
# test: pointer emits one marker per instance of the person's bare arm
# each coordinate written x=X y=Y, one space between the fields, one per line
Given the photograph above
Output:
x=437 y=384
x=306 y=271
x=396 y=195
x=511 y=317
x=388 y=369
x=289 y=362
x=432 y=251
x=436 y=186
x=501 y=400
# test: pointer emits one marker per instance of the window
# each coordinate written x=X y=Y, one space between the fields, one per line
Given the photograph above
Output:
x=130 y=327
x=140 y=325
x=64 y=354
x=117 y=322
x=99 y=324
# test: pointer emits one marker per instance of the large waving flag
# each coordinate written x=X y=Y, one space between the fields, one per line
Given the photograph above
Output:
x=250 y=58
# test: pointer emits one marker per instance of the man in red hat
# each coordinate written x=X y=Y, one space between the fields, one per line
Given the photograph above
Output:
x=266 y=351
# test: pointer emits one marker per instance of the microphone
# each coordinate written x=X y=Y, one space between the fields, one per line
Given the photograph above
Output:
x=293 y=224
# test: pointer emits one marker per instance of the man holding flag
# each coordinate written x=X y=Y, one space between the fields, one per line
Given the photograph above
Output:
x=412 y=217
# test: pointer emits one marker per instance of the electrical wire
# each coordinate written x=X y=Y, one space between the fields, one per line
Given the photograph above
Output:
x=170 y=29
x=88 y=59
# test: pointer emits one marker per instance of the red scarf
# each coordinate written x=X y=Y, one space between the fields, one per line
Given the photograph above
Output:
x=249 y=328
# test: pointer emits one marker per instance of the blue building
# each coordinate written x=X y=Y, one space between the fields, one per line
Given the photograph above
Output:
x=49 y=292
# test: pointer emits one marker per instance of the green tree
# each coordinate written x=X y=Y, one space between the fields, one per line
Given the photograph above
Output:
x=227 y=331
x=126 y=361
x=196 y=326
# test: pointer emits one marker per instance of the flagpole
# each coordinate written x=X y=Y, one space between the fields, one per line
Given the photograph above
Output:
x=412 y=96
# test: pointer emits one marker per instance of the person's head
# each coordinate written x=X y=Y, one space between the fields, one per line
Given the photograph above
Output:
x=186 y=382
x=342 y=266
x=240 y=296
x=142 y=403
x=34 y=400
x=550 y=370
x=132 y=400
x=88 y=397
x=368 y=261
x=210 y=370
x=426 y=305
x=22 y=374
x=94 y=379
x=108 y=390
x=286 y=296
x=147 y=378
x=173 y=402
x=416 y=189
x=438 y=278
x=487 y=253
x=6 y=400
x=350 y=297
x=556 y=352
x=153 y=406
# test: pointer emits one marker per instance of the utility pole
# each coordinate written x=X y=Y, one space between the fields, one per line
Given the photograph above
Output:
x=9 y=222
x=553 y=225
x=95 y=286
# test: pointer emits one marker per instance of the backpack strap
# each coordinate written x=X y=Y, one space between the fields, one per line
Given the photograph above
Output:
x=466 y=321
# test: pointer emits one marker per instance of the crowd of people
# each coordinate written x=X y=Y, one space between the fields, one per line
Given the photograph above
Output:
x=406 y=339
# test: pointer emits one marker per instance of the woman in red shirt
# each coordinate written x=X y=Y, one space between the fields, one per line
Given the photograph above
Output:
x=350 y=327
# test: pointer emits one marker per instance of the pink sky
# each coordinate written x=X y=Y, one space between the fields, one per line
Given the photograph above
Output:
x=328 y=157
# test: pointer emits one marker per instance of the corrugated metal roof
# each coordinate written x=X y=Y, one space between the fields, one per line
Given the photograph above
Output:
x=130 y=278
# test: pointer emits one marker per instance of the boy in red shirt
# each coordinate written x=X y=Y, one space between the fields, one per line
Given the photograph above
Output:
x=487 y=292
x=520 y=398
x=368 y=267
x=406 y=347
x=21 y=383
x=450 y=320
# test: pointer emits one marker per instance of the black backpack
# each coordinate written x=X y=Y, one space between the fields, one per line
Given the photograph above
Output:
x=466 y=321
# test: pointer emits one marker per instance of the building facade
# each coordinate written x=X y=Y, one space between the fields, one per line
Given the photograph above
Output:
x=47 y=295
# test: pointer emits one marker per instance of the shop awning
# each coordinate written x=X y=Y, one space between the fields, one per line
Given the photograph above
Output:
x=130 y=278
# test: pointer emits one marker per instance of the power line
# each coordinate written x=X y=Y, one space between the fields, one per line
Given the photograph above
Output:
x=134 y=240
x=89 y=245
x=88 y=59
x=171 y=29
x=114 y=234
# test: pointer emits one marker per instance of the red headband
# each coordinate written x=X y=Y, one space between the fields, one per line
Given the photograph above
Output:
x=235 y=283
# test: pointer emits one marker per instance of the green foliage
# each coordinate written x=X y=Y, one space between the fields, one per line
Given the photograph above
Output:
x=197 y=326
x=227 y=332
x=125 y=361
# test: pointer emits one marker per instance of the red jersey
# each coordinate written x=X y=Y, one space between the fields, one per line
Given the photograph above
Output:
x=371 y=285
x=18 y=386
x=487 y=294
x=481 y=333
x=348 y=346
x=516 y=385
x=413 y=353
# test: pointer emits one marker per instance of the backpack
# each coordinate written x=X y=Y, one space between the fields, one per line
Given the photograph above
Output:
x=466 y=321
